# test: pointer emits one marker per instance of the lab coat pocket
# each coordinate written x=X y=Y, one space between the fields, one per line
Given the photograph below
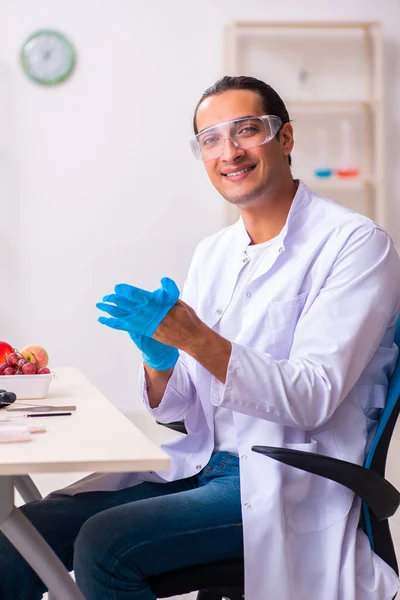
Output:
x=282 y=318
x=310 y=502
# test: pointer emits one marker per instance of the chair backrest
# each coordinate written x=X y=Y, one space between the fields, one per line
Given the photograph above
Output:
x=377 y=454
x=378 y=532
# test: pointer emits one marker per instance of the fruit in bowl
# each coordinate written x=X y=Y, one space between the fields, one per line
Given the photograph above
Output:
x=36 y=355
x=5 y=349
x=30 y=362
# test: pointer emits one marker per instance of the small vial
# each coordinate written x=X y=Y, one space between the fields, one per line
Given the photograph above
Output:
x=347 y=166
x=322 y=169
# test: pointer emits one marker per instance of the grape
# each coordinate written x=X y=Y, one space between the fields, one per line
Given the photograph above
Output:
x=3 y=367
x=29 y=369
x=43 y=371
x=21 y=363
x=13 y=359
x=9 y=371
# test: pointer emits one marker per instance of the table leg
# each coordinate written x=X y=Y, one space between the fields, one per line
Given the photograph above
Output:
x=28 y=491
x=31 y=545
x=26 y=488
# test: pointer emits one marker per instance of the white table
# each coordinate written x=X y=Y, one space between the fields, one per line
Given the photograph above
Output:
x=97 y=437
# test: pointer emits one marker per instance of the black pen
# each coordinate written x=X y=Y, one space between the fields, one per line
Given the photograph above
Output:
x=52 y=414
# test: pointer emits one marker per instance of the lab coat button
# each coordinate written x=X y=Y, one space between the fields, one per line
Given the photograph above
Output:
x=198 y=467
x=245 y=259
x=247 y=505
x=248 y=295
x=244 y=456
x=219 y=311
x=280 y=249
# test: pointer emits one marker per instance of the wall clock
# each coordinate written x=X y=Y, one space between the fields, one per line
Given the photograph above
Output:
x=47 y=57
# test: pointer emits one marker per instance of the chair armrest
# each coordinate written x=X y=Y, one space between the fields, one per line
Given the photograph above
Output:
x=380 y=495
x=175 y=425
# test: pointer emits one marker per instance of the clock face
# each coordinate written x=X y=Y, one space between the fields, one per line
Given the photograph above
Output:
x=47 y=57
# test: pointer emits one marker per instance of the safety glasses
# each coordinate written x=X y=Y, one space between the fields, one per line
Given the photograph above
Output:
x=245 y=133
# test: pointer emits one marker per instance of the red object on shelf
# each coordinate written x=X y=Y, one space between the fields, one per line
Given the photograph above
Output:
x=347 y=173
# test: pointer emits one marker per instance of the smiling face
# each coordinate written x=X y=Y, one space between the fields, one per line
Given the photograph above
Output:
x=244 y=176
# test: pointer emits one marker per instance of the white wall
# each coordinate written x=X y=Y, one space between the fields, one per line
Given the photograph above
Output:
x=97 y=181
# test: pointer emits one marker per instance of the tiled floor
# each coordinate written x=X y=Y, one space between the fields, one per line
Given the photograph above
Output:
x=47 y=483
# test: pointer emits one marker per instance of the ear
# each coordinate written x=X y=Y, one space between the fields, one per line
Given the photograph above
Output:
x=286 y=139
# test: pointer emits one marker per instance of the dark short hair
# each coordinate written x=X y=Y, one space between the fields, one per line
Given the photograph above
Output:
x=271 y=101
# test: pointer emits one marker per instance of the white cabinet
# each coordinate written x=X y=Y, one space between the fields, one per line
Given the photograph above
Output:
x=330 y=78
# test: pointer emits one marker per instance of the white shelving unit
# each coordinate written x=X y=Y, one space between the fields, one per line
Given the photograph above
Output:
x=326 y=73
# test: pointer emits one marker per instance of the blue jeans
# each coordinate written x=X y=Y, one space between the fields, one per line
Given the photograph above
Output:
x=115 y=540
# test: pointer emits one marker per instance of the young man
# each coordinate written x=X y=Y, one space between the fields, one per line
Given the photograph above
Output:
x=285 y=336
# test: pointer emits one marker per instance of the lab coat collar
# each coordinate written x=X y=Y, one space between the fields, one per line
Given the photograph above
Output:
x=301 y=199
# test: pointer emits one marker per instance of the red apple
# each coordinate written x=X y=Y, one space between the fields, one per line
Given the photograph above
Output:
x=5 y=350
x=35 y=354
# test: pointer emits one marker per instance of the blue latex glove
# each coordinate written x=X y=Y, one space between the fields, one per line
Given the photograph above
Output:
x=157 y=355
x=144 y=310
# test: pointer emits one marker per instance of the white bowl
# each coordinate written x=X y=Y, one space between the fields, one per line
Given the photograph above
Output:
x=26 y=387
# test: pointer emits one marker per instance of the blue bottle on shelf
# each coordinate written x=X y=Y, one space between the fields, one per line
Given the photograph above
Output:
x=322 y=170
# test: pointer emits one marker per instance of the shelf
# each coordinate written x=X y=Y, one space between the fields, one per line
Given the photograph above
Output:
x=330 y=183
x=331 y=105
x=363 y=25
x=325 y=72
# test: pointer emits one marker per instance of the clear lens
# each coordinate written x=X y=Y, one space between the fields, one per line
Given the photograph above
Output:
x=244 y=133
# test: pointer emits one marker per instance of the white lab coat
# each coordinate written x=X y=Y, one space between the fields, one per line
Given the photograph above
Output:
x=309 y=371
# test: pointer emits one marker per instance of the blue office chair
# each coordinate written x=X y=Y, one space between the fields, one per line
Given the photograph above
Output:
x=380 y=501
